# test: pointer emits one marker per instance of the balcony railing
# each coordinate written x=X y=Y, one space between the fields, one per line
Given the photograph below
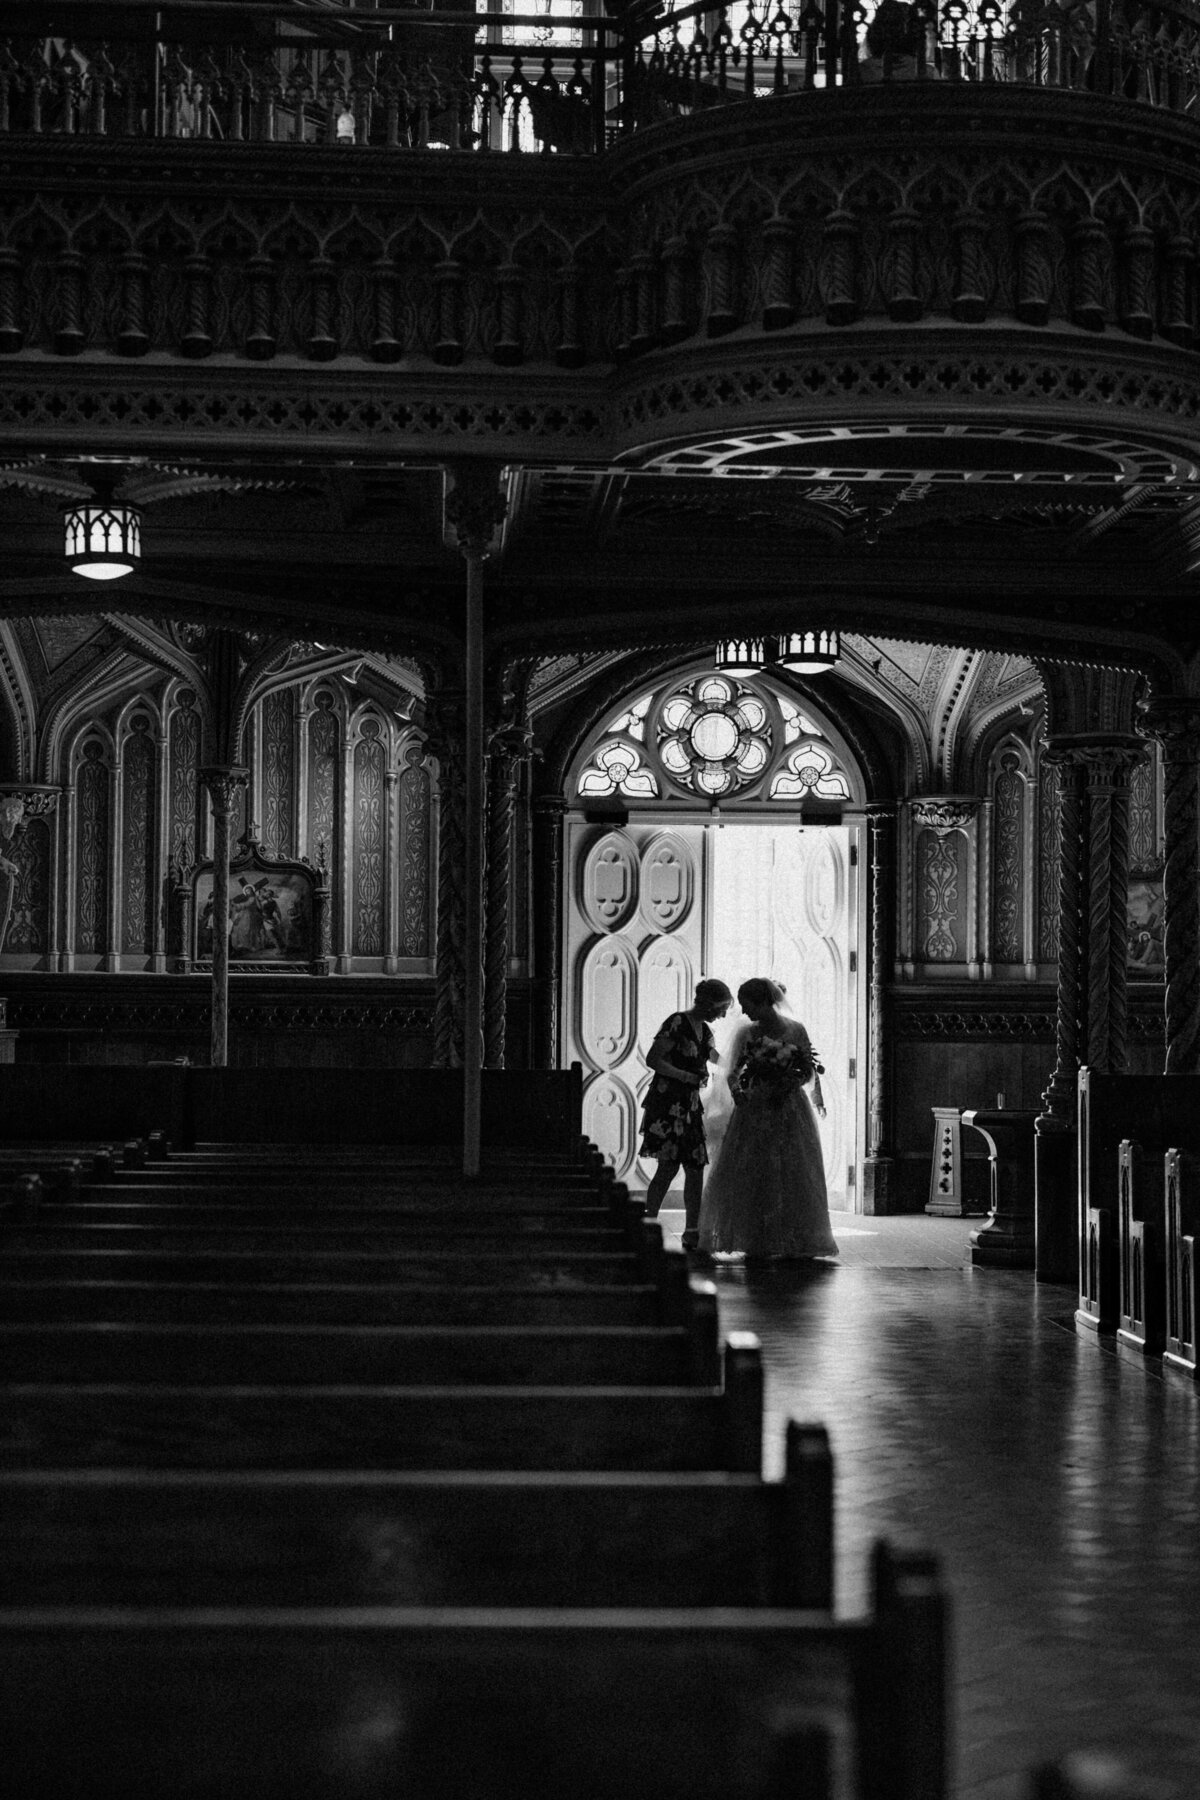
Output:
x=236 y=71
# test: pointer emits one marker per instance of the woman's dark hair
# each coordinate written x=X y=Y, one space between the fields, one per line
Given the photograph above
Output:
x=759 y=991
x=712 y=990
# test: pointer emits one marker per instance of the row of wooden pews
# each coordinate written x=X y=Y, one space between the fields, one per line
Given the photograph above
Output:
x=324 y=1473
x=329 y=1474
x=1140 y=1213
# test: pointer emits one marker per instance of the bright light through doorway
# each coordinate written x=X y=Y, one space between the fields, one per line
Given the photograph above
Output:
x=781 y=904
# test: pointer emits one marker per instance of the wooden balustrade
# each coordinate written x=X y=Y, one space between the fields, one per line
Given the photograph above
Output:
x=395 y=81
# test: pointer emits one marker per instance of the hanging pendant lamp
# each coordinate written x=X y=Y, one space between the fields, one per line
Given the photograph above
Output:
x=102 y=537
x=810 y=652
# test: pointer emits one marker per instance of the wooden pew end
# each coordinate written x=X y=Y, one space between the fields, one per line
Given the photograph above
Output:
x=806 y=1554
x=1087 y=1776
x=742 y=1373
x=704 y=1331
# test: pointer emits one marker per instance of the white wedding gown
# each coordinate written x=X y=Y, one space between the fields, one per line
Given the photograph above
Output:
x=765 y=1195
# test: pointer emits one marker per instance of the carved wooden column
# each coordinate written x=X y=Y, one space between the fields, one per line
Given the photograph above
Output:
x=1055 y=1148
x=1059 y=1097
x=1109 y=766
x=878 y=1166
x=475 y=507
x=1175 y=722
x=224 y=785
x=1092 y=1016
x=444 y=742
x=548 y=810
x=510 y=747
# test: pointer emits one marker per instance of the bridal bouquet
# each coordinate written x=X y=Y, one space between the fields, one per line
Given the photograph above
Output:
x=770 y=1066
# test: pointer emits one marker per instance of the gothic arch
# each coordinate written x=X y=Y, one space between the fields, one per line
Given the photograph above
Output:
x=16 y=710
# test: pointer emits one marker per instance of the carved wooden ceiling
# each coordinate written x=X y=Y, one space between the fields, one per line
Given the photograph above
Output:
x=592 y=559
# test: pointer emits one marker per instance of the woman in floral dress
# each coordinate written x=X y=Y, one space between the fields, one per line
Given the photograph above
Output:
x=672 y=1112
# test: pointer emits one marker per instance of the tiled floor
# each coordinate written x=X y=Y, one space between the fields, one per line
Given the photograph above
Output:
x=1058 y=1483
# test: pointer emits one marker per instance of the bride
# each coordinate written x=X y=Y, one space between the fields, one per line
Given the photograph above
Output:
x=766 y=1190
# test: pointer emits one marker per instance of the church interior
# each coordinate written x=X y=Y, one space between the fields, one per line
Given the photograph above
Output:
x=519 y=513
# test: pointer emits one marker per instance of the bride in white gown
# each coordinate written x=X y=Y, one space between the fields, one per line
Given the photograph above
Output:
x=766 y=1195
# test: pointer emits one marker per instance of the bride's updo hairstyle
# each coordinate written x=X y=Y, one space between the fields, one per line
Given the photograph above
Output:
x=760 y=991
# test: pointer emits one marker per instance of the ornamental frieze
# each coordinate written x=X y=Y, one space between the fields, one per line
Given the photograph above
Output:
x=983 y=210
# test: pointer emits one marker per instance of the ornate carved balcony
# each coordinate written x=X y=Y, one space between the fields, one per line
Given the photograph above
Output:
x=752 y=215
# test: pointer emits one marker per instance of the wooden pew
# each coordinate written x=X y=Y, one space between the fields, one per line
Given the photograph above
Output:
x=355 y=1537
x=67 y=1168
x=330 y=1302
x=1182 y=1207
x=462 y=1262
x=285 y=1356
x=446 y=1703
x=79 y=1425
x=1140 y=1252
x=1156 y=1111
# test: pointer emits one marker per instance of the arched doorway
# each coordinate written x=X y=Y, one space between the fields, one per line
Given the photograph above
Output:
x=714 y=827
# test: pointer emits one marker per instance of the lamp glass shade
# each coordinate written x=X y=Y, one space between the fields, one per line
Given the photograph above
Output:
x=740 y=656
x=102 y=541
x=809 y=652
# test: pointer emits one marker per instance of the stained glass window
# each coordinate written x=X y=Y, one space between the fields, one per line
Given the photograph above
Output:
x=810 y=770
x=617 y=769
x=715 y=738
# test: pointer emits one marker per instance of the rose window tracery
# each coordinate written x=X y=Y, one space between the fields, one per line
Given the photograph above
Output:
x=617 y=769
x=715 y=738
x=810 y=772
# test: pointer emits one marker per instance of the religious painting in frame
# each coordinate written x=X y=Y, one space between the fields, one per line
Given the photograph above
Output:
x=277 y=912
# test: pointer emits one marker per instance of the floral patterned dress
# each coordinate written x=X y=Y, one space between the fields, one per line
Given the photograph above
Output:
x=673 y=1112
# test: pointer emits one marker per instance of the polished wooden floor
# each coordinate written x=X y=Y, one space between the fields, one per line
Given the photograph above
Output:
x=1058 y=1483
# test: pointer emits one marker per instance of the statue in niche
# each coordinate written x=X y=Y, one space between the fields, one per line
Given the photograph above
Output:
x=12 y=826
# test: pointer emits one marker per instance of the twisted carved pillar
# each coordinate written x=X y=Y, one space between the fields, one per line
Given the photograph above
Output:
x=878 y=1165
x=548 y=812
x=1108 y=768
x=475 y=507
x=1092 y=1015
x=445 y=743
x=510 y=747
x=224 y=785
x=1175 y=723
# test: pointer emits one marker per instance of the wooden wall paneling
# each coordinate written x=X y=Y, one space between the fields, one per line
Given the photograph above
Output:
x=367 y=840
x=92 y=852
x=137 y=838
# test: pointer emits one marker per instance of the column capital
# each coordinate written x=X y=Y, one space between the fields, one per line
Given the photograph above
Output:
x=37 y=798
x=944 y=812
x=1103 y=761
x=223 y=781
x=475 y=507
x=1173 y=720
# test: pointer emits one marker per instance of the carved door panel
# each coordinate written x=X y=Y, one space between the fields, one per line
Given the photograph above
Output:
x=633 y=953
x=652 y=909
